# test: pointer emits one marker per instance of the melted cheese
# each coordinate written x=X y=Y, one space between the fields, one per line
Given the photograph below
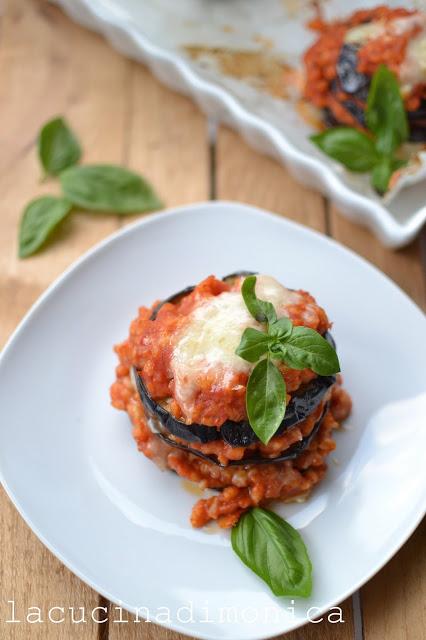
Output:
x=413 y=69
x=208 y=341
x=363 y=32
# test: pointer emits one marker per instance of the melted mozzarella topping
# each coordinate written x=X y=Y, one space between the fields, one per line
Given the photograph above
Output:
x=208 y=341
x=413 y=69
x=363 y=32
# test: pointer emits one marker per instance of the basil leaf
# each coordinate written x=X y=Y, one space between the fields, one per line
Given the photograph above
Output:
x=58 y=148
x=253 y=345
x=265 y=399
x=281 y=328
x=385 y=112
x=381 y=175
x=261 y=310
x=306 y=348
x=398 y=163
x=108 y=188
x=349 y=146
x=275 y=551
x=40 y=218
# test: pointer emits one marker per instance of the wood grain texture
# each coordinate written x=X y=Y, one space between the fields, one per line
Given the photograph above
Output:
x=167 y=140
x=405 y=267
x=394 y=602
x=244 y=175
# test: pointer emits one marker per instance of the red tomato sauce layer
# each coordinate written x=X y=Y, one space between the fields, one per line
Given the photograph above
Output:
x=149 y=348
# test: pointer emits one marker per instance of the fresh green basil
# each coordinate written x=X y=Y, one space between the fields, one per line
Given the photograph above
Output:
x=381 y=175
x=349 y=146
x=260 y=310
x=387 y=121
x=40 y=218
x=108 y=188
x=105 y=188
x=275 y=551
x=398 y=163
x=58 y=148
x=297 y=347
x=385 y=113
x=265 y=399
x=280 y=329
x=254 y=344
x=307 y=349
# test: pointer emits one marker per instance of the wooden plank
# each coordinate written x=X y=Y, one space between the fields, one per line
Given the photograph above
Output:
x=31 y=577
x=39 y=79
x=393 y=602
x=244 y=175
x=30 y=94
x=167 y=140
x=405 y=266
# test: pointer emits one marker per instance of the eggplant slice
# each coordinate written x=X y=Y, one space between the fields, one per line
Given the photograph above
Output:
x=356 y=85
x=237 y=434
x=180 y=294
x=289 y=454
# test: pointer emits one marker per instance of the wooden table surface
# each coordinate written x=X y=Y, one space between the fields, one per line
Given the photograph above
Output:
x=50 y=66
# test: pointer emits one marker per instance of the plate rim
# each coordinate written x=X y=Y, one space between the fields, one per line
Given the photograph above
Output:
x=99 y=247
x=213 y=99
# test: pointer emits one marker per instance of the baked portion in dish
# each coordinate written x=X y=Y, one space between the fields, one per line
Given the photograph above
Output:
x=341 y=62
x=184 y=388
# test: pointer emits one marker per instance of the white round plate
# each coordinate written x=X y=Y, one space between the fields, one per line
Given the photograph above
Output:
x=70 y=465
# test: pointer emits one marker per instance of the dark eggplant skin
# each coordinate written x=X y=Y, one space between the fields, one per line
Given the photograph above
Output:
x=237 y=434
x=301 y=405
x=356 y=85
x=350 y=79
x=289 y=454
x=189 y=432
x=180 y=294
x=174 y=298
x=417 y=122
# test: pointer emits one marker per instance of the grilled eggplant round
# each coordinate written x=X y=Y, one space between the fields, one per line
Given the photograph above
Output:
x=237 y=434
x=289 y=454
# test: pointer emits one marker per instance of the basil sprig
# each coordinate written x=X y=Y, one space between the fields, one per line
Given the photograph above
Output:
x=376 y=150
x=275 y=551
x=297 y=347
x=106 y=188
